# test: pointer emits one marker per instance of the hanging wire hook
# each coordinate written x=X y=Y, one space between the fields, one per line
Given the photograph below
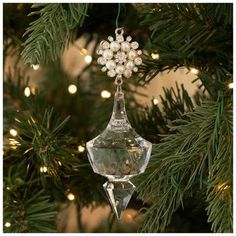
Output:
x=118 y=14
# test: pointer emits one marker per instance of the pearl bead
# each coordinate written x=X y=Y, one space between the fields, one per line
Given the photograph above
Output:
x=110 y=38
x=127 y=73
x=135 y=69
x=119 y=38
x=115 y=46
x=101 y=61
x=110 y=65
x=120 y=69
x=130 y=65
x=132 y=54
x=138 y=61
x=139 y=52
x=107 y=54
x=134 y=45
x=111 y=73
x=105 y=45
x=104 y=69
x=129 y=38
x=125 y=46
x=99 y=52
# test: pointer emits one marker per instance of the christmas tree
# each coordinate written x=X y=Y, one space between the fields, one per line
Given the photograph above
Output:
x=187 y=186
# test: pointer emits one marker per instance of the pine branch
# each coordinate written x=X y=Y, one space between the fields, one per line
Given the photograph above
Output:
x=26 y=210
x=180 y=162
x=190 y=35
x=220 y=182
x=150 y=121
x=49 y=34
x=42 y=141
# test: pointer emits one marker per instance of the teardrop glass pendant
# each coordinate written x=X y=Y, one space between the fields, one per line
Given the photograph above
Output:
x=119 y=153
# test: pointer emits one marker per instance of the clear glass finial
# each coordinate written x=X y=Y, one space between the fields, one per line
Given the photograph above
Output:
x=119 y=153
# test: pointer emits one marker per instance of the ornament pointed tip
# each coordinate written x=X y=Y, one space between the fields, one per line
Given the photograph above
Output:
x=119 y=194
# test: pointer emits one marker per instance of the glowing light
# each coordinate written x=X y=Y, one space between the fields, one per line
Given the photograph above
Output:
x=33 y=90
x=13 y=132
x=71 y=196
x=27 y=91
x=81 y=148
x=7 y=224
x=83 y=51
x=155 y=56
x=72 y=89
x=231 y=85
x=43 y=169
x=194 y=71
x=8 y=188
x=88 y=59
x=223 y=186
x=13 y=143
x=105 y=94
x=35 y=67
x=129 y=216
x=155 y=101
x=59 y=163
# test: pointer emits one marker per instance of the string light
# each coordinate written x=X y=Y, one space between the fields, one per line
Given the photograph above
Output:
x=43 y=169
x=231 y=85
x=155 y=56
x=194 y=71
x=72 y=89
x=105 y=94
x=13 y=132
x=27 y=91
x=35 y=67
x=129 y=217
x=88 y=59
x=81 y=148
x=71 y=196
x=33 y=90
x=83 y=51
x=7 y=224
x=222 y=186
x=59 y=163
x=155 y=101
x=13 y=143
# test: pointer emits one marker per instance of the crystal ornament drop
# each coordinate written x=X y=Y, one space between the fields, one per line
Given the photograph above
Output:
x=119 y=153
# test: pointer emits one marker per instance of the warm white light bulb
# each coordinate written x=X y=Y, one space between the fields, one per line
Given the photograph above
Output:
x=43 y=169
x=71 y=196
x=81 y=148
x=35 y=67
x=88 y=59
x=231 y=85
x=13 y=132
x=155 y=56
x=155 y=101
x=105 y=94
x=7 y=224
x=72 y=89
x=13 y=143
x=27 y=91
x=83 y=51
x=194 y=71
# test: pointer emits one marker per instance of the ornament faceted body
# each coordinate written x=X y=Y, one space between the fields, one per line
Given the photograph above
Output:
x=119 y=153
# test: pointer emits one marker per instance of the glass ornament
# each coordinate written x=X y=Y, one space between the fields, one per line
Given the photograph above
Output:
x=119 y=153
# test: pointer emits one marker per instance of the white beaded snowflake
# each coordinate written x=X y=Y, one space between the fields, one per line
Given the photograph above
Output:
x=119 y=57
